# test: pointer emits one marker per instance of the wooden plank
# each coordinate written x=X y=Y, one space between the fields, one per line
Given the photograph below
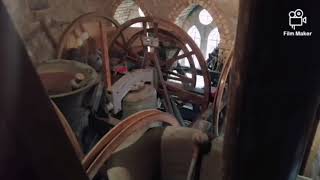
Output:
x=33 y=142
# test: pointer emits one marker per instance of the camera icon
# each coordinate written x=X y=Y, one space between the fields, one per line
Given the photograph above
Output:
x=296 y=18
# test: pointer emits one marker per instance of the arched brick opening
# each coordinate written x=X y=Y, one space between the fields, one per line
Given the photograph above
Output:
x=146 y=11
x=184 y=15
x=139 y=3
x=183 y=8
x=190 y=18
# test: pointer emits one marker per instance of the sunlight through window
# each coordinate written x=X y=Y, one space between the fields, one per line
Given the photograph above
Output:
x=195 y=35
x=213 y=41
x=205 y=18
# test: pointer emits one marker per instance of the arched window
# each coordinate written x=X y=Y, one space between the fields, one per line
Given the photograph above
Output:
x=204 y=17
x=213 y=41
x=195 y=35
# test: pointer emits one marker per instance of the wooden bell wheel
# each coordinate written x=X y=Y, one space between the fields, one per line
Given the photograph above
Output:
x=86 y=33
x=182 y=65
x=179 y=54
x=103 y=150
x=220 y=102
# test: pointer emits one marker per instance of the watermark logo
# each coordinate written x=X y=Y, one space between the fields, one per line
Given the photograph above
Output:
x=296 y=18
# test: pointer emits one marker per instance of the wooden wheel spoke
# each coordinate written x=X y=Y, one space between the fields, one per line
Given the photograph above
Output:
x=135 y=47
x=133 y=59
x=176 y=54
x=174 y=59
x=122 y=46
x=125 y=49
x=132 y=49
x=181 y=77
x=185 y=95
x=141 y=39
x=133 y=39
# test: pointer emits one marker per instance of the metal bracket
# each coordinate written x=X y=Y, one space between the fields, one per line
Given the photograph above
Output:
x=150 y=41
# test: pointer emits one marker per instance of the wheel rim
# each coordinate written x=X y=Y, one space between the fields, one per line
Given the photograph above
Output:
x=78 y=25
x=103 y=150
x=168 y=29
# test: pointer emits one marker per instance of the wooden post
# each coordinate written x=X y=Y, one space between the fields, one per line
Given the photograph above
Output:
x=105 y=53
x=274 y=89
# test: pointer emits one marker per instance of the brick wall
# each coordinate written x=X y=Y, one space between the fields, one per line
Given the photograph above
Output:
x=41 y=25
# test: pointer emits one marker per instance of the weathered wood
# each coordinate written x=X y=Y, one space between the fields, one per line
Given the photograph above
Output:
x=312 y=164
x=106 y=60
x=274 y=85
x=69 y=132
x=33 y=143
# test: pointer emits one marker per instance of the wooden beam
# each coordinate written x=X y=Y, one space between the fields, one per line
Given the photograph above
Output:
x=274 y=84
